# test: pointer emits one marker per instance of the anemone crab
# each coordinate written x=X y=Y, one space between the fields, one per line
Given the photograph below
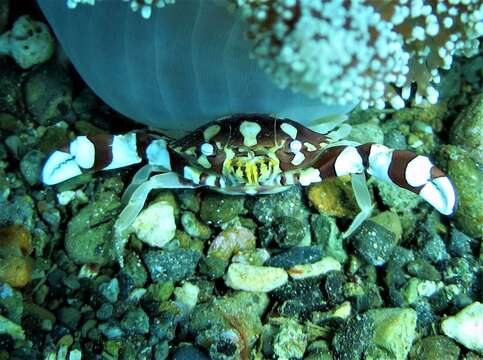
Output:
x=249 y=154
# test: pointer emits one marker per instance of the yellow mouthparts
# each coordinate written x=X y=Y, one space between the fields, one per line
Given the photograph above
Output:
x=250 y=171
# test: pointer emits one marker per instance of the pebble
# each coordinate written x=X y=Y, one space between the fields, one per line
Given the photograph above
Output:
x=466 y=327
x=29 y=42
x=353 y=338
x=219 y=208
x=105 y=311
x=318 y=268
x=147 y=227
x=194 y=227
x=290 y=341
x=48 y=94
x=135 y=321
x=31 y=165
x=110 y=290
x=10 y=328
x=69 y=316
x=394 y=332
x=254 y=278
x=289 y=232
x=295 y=256
x=327 y=236
x=189 y=352
x=175 y=265
x=230 y=242
x=374 y=243
x=435 y=347
x=186 y=295
x=89 y=231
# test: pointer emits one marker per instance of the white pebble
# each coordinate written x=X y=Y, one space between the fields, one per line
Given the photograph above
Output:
x=29 y=42
x=466 y=327
x=318 y=268
x=254 y=278
x=155 y=225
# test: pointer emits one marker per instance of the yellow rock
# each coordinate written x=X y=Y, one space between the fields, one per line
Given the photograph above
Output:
x=334 y=197
x=15 y=264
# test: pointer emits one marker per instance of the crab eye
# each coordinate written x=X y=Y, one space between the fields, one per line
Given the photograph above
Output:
x=295 y=146
x=207 y=149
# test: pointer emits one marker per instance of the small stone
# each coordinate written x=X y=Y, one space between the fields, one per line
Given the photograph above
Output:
x=290 y=340
x=111 y=330
x=186 y=296
x=10 y=328
x=134 y=268
x=110 y=290
x=435 y=347
x=466 y=327
x=460 y=243
x=69 y=316
x=318 y=268
x=29 y=42
x=147 y=227
x=467 y=177
x=333 y=197
x=296 y=256
x=48 y=93
x=194 y=227
x=135 y=322
x=189 y=352
x=394 y=332
x=175 y=265
x=353 y=338
x=31 y=165
x=373 y=242
x=219 y=208
x=423 y=270
x=328 y=237
x=105 y=311
x=289 y=232
x=390 y=220
x=231 y=241
x=89 y=231
x=255 y=278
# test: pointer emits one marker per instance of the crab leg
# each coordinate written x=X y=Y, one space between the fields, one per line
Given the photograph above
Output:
x=104 y=152
x=405 y=169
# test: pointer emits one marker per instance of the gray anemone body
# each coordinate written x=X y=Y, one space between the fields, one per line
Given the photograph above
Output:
x=186 y=65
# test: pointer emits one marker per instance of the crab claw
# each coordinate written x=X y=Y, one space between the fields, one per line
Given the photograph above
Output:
x=441 y=194
x=60 y=166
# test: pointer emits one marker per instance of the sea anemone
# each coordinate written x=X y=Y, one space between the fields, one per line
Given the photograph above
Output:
x=189 y=62
x=369 y=51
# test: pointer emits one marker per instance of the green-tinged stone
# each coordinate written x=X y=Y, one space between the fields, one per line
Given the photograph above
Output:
x=239 y=312
x=394 y=333
x=89 y=232
x=219 y=208
x=135 y=321
x=134 y=268
x=160 y=291
x=53 y=138
x=435 y=347
x=373 y=242
x=289 y=232
x=194 y=227
x=467 y=130
x=327 y=235
x=175 y=265
x=353 y=338
x=290 y=341
x=467 y=176
x=8 y=327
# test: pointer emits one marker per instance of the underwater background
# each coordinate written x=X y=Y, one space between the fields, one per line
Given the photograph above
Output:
x=406 y=284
